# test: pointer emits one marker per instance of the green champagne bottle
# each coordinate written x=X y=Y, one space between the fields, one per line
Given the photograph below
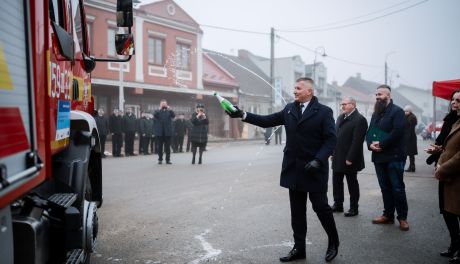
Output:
x=225 y=104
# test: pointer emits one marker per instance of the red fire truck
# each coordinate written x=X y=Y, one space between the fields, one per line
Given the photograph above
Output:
x=50 y=159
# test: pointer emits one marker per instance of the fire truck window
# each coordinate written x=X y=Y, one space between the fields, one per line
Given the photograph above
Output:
x=79 y=27
x=55 y=12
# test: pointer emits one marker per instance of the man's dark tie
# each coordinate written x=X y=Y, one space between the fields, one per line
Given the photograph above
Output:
x=301 y=106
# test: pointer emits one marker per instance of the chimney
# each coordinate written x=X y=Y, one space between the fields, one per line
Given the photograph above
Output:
x=358 y=75
x=242 y=53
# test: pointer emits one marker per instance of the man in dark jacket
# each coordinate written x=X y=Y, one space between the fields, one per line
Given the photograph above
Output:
x=385 y=138
x=102 y=124
x=116 y=128
x=411 y=137
x=144 y=134
x=179 y=132
x=130 y=126
x=199 y=132
x=310 y=141
x=163 y=119
x=348 y=157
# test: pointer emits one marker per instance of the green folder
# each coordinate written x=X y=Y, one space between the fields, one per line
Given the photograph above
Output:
x=376 y=134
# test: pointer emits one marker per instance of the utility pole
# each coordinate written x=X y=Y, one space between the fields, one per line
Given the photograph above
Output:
x=386 y=73
x=272 y=68
x=121 y=95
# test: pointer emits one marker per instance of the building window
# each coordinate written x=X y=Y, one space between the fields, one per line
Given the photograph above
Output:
x=155 y=51
x=321 y=82
x=90 y=35
x=183 y=56
x=111 y=42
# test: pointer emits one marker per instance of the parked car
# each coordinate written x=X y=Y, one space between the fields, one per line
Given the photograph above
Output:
x=431 y=133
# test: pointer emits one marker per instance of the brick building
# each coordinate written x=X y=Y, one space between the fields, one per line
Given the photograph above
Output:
x=168 y=63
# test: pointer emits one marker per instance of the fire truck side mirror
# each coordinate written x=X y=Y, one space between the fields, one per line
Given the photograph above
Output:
x=124 y=44
x=124 y=13
x=89 y=63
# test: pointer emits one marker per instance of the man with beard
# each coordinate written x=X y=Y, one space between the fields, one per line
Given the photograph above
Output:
x=385 y=138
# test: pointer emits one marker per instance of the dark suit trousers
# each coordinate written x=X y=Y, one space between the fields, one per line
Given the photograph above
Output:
x=163 y=143
x=117 y=143
x=129 y=143
x=298 y=201
x=353 y=188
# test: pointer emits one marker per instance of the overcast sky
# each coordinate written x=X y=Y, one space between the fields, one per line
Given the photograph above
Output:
x=421 y=43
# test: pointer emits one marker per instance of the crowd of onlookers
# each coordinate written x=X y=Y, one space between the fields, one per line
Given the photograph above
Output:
x=160 y=128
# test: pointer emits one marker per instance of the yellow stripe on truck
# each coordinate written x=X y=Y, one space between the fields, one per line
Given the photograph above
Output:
x=5 y=78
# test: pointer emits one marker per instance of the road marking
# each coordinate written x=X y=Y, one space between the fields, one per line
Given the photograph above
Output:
x=210 y=251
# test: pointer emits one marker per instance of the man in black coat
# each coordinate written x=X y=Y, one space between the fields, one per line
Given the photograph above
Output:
x=102 y=124
x=310 y=141
x=348 y=156
x=116 y=128
x=179 y=132
x=411 y=137
x=163 y=126
x=130 y=126
x=385 y=138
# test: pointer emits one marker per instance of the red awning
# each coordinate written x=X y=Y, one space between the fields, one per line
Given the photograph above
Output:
x=444 y=89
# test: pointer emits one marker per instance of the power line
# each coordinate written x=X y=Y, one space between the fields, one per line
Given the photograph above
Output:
x=328 y=56
x=236 y=30
x=345 y=20
x=356 y=23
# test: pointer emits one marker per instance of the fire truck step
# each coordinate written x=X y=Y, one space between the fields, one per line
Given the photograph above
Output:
x=62 y=200
x=75 y=256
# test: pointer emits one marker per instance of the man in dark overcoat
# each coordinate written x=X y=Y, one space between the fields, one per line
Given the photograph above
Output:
x=411 y=137
x=102 y=123
x=348 y=156
x=163 y=126
x=310 y=141
x=116 y=128
x=130 y=126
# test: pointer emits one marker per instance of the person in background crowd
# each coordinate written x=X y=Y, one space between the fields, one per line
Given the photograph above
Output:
x=145 y=133
x=199 y=133
x=116 y=128
x=163 y=123
x=451 y=219
x=385 y=139
x=179 y=132
x=411 y=137
x=141 y=132
x=310 y=140
x=189 y=126
x=130 y=126
x=267 y=134
x=102 y=123
x=278 y=134
x=348 y=157
x=152 y=144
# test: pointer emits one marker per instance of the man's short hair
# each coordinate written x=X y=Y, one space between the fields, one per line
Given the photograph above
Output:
x=305 y=79
x=384 y=86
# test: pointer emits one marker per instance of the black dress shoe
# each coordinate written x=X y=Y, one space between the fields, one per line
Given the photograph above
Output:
x=447 y=253
x=168 y=162
x=160 y=161
x=455 y=257
x=351 y=212
x=337 y=208
x=295 y=253
x=332 y=251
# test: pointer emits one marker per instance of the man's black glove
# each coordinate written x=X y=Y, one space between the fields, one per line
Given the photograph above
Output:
x=236 y=114
x=313 y=166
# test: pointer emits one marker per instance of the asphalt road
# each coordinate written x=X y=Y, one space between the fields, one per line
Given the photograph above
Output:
x=231 y=209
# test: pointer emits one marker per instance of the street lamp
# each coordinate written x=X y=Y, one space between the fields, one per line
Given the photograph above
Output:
x=386 y=65
x=323 y=54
